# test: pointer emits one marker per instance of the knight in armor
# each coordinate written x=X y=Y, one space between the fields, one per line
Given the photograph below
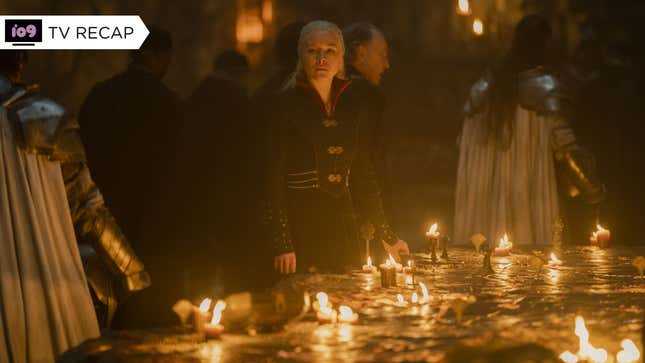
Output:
x=518 y=152
x=48 y=204
x=317 y=142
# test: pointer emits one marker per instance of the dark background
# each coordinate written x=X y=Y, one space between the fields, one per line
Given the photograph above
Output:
x=434 y=56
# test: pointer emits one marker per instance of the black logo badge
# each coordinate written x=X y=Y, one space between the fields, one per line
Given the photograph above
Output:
x=23 y=32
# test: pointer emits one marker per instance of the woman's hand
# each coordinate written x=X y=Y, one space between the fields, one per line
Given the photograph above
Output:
x=285 y=263
x=398 y=249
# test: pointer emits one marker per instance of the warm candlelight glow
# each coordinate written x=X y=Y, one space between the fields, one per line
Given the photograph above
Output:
x=554 y=261
x=205 y=305
x=346 y=315
x=369 y=267
x=601 y=236
x=504 y=247
x=249 y=28
x=433 y=231
x=409 y=280
x=425 y=297
x=267 y=11
x=217 y=312
x=392 y=262
x=588 y=351
x=463 y=7
x=568 y=357
x=504 y=243
x=629 y=354
x=327 y=315
x=400 y=300
x=415 y=298
x=478 y=27
x=322 y=301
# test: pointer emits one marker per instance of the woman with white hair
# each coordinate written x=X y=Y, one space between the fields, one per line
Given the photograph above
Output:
x=316 y=140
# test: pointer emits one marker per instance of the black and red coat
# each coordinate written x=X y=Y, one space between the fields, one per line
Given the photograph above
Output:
x=314 y=154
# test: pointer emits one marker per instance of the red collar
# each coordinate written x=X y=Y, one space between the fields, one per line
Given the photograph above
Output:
x=338 y=86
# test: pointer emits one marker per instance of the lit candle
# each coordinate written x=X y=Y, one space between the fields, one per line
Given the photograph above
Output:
x=201 y=315
x=415 y=298
x=369 y=268
x=327 y=315
x=478 y=27
x=600 y=237
x=388 y=273
x=504 y=248
x=433 y=239
x=400 y=300
x=629 y=354
x=554 y=261
x=425 y=297
x=463 y=7
x=214 y=329
x=409 y=270
x=346 y=315
x=322 y=301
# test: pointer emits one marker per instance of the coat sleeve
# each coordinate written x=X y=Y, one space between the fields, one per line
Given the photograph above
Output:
x=95 y=225
x=277 y=200
x=365 y=187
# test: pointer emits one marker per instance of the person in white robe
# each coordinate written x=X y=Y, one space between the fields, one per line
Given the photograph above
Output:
x=47 y=200
x=518 y=153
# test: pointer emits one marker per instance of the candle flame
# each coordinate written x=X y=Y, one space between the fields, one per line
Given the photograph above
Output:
x=463 y=6
x=568 y=357
x=392 y=261
x=478 y=27
x=555 y=258
x=217 y=312
x=414 y=298
x=599 y=229
x=410 y=263
x=432 y=232
x=588 y=351
x=409 y=280
x=424 y=292
x=504 y=242
x=369 y=261
x=630 y=352
x=205 y=305
x=346 y=314
x=323 y=300
x=400 y=299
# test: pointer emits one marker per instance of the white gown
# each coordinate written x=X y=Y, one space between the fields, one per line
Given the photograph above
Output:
x=510 y=191
x=45 y=304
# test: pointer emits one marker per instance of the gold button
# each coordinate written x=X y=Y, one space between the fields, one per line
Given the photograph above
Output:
x=335 y=178
x=335 y=150
x=330 y=123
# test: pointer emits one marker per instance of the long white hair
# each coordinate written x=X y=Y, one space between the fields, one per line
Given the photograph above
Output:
x=306 y=32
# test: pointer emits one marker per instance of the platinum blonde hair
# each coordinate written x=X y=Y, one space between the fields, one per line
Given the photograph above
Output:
x=316 y=26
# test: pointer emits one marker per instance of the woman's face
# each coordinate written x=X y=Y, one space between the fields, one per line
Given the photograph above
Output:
x=322 y=56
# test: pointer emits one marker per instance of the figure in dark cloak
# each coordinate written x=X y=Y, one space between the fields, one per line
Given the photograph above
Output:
x=316 y=141
x=130 y=123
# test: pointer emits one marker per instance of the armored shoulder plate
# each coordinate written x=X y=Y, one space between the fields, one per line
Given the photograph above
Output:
x=541 y=92
x=42 y=127
x=478 y=95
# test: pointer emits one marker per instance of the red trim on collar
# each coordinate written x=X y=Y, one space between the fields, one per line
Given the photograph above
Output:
x=338 y=86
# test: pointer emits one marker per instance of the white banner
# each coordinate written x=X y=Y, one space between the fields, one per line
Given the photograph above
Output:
x=72 y=32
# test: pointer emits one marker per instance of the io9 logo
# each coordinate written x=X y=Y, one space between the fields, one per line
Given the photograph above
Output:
x=21 y=31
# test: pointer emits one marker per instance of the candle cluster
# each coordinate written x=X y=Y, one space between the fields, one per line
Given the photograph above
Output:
x=600 y=237
x=209 y=322
x=326 y=314
x=587 y=352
